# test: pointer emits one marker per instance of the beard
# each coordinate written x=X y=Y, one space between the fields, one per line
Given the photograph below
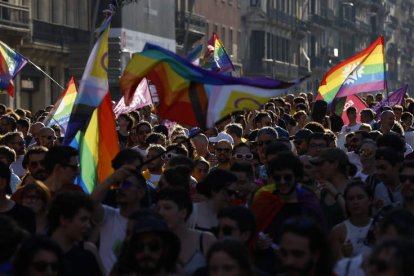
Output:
x=39 y=175
x=302 y=271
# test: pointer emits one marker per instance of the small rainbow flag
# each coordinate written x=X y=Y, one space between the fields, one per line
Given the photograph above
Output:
x=62 y=109
x=194 y=54
x=363 y=72
x=216 y=58
x=11 y=62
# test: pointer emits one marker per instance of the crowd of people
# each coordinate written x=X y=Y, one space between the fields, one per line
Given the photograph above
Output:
x=285 y=190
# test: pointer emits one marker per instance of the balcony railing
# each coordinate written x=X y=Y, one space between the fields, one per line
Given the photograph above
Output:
x=197 y=22
x=58 y=34
x=14 y=16
x=364 y=27
x=347 y=25
x=393 y=21
x=318 y=19
x=282 y=17
x=270 y=68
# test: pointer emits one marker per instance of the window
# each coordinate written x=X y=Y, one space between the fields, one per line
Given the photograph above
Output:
x=231 y=41
x=239 y=44
x=215 y=28
x=223 y=36
x=207 y=36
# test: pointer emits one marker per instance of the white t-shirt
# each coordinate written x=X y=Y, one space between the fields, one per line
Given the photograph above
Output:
x=113 y=230
x=354 y=159
x=143 y=152
x=17 y=166
x=361 y=175
x=350 y=266
x=154 y=178
x=347 y=129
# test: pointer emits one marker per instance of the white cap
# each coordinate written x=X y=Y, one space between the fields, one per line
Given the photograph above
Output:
x=221 y=136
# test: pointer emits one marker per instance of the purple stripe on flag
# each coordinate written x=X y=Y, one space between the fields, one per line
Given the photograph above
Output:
x=395 y=98
x=366 y=87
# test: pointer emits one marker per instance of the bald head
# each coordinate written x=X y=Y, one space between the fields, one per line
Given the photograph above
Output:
x=47 y=137
x=201 y=143
x=34 y=130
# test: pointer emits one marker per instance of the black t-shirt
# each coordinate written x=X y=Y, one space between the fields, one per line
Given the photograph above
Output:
x=122 y=140
x=24 y=217
x=82 y=262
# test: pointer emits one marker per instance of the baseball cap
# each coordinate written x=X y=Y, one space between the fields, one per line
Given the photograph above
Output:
x=221 y=136
x=331 y=154
x=301 y=134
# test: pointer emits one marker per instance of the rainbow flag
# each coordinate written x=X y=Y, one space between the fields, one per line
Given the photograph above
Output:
x=216 y=58
x=62 y=109
x=363 y=72
x=92 y=88
x=194 y=54
x=191 y=94
x=11 y=62
x=98 y=145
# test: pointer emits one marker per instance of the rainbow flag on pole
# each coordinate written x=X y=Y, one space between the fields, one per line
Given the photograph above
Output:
x=216 y=58
x=363 y=72
x=62 y=109
x=11 y=62
x=191 y=94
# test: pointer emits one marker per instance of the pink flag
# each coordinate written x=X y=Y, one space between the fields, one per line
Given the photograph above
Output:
x=355 y=101
x=142 y=97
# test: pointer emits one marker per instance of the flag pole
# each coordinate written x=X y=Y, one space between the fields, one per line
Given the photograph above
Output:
x=40 y=69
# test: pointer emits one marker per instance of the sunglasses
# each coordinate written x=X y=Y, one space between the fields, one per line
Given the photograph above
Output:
x=297 y=142
x=223 y=150
x=140 y=132
x=73 y=167
x=261 y=143
x=321 y=146
x=381 y=265
x=227 y=230
x=42 y=266
x=286 y=177
x=21 y=143
x=368 y=152
x=247 y=156
x=153 y=246
x=50 y=137
x=168 y=156
x=403 y=178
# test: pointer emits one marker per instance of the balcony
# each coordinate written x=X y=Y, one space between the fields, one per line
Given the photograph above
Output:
x=363 y=3
x=196 y=29
x=347 y=26
x=14 y=19
x=318 y=20
x=270 y=68
x=393 y=21
x=303 y=29
x=282 y=18
x=330 y=15
x=317 y=63
x=363 y=27
x=57 y=34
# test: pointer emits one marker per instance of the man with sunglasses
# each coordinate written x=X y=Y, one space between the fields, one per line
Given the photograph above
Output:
x=237 y=222
x=223 y=153
x=47 y=137
x=143 y=130
x=15 y=141
x=300 y=140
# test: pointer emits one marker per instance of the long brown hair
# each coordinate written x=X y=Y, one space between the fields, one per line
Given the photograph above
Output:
x=41 y=190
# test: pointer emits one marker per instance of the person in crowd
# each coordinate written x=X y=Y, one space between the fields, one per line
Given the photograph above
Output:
x=201 y=144
x=57 y=129
x=34 y=130
x=347 y=238
x=237 y=222
x=334 y=171
x=131 y=188
x=125 y=123
x=378 y=97
x=8 y=156
x=156 y=138
x=40 y=255
x=69 y=220
x=348 y=138
x=22 y=126
x=47 y=137
x=300 y=121
x=300 y=140
x=353 y=125
x=236 y=132
x=365 y=127
x=21 y=214
x=262 y=119
x=367 y=117
x=33 y=161
x=245 y=176
x=388 y=192
x=161 y=129
x=271 y=152
x=366 y=154
x=319 y=114
x=177 y=176
x=192 y=152
x=143 y=130
x=317 y=142
x=132 y=140
x=229 y=257
x=219 y=187
x=154 y=168
x=369 y=99
x=15 y=141
x=309 y=179
x=315 y=127
x=36 y=196
x=202 y=167
x=242 y=152
x=387 y=121
x=150 y=248
x=398 y=111
x=407 y=120
x=332 y=138
x=8 y=124
x=223 y=152
x=407 y=185
x=175 y=205
x=305 y=249
x=265 y=136
x=354 y=145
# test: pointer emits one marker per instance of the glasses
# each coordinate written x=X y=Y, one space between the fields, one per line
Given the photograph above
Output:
x=227 y=230
x=21 y=143
x=286 y=177
x=42 y=266
x=321 y=146
x=168 y=156
x=403 y=178
x=381 y=265
x=73 y=167
x=247 y=156
x=34 y=164
x=298 y=142
x=367 y=152
x=50 y=137
x=140 y=132
x=261 y=143
x=153 y=246
x=31 y=198
x=223 y=150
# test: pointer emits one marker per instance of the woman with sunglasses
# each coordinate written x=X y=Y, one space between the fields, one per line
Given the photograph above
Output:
x=300 y=121
x=347 y=238
x=366 y=154
x=40 y=256
x=176 y=206
x=36 y=196
x=219 y=187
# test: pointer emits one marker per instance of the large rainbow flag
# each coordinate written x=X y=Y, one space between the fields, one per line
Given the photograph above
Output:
x=11 y=62
x=98 y=145
x=191 y=94
x=216 y=57
x=62 y=109
x=363 y=72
